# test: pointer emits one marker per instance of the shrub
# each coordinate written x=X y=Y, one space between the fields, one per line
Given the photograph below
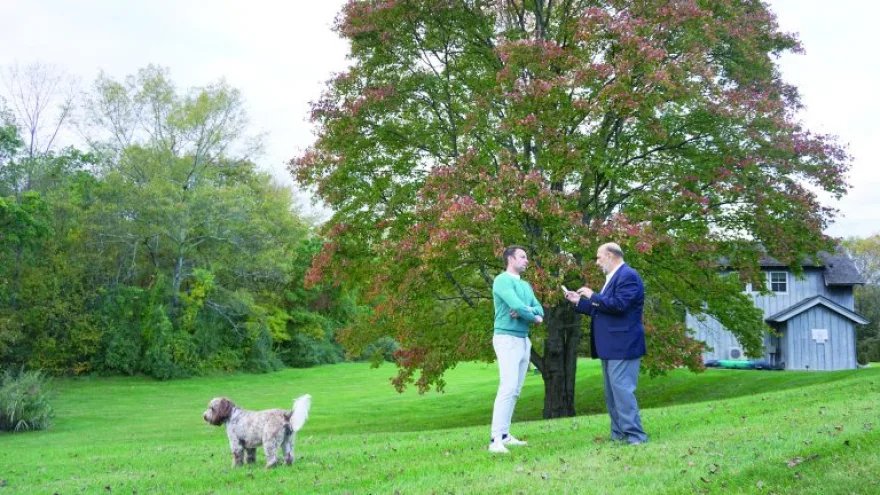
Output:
x=170 y=352
x=24 y=401
x=869 y=350
x=260 y=356
x=122 y=350
x=382 y=349
x=222 y=360
x=122 y=314
x=304 y=351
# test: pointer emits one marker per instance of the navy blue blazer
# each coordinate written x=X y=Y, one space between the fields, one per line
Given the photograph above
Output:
x=616 y=317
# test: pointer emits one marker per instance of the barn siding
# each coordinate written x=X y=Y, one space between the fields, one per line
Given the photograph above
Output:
x=798 y=349
x=803 y=353
x=812 y=284
x=710 y=331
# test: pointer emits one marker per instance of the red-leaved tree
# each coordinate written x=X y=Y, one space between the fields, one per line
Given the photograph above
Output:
x=464 y=126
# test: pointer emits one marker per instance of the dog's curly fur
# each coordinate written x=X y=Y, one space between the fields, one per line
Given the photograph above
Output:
x=247 y=430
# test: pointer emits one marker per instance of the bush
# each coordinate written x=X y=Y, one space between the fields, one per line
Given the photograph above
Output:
x=170 y=352
x=869 y=350
x=24 y=401
x=382 y=349
x=304 y=351
x=122 y=350
x=122 y=314
x=260 y=357
x=222 y=360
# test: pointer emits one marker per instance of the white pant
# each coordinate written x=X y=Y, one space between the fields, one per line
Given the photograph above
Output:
x=513 y=362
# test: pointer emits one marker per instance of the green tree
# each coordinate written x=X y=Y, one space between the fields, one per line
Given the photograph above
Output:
x=44 y=321
x=183 y=211
x=463 y=126
x=866 y=255
x=163 y=250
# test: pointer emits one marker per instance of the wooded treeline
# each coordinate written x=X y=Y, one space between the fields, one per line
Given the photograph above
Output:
x=158 y=246
x=866 y=255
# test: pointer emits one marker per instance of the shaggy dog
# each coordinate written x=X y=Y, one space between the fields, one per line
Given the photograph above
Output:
x=271 y=428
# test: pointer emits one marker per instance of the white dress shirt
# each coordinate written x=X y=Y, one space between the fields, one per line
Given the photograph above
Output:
x=609 y=275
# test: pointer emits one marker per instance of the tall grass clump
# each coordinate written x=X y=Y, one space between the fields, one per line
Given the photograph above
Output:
x=24 y=401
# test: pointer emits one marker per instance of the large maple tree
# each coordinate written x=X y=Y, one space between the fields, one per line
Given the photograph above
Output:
x=464 y=126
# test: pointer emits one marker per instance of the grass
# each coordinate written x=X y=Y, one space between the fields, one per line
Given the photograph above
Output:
x=723 y=431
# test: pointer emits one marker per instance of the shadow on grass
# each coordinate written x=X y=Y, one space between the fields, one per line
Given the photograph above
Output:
x=675 y=388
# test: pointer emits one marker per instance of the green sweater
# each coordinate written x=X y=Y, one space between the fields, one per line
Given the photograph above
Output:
x=513 y=293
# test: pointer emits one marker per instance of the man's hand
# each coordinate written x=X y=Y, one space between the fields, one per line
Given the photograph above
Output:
x=573 y=296
x=586 y=292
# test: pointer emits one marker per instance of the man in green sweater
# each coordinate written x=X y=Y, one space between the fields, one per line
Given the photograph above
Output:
x=515 y=309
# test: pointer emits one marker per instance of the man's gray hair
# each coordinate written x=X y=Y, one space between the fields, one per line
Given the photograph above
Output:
x=613 y=248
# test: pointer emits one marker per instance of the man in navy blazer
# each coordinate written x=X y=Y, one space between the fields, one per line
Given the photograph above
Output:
x=617 y=338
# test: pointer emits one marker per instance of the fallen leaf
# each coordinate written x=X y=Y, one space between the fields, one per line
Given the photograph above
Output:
x=800 y=460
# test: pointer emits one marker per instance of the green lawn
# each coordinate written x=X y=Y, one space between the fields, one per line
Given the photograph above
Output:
x=723 y=431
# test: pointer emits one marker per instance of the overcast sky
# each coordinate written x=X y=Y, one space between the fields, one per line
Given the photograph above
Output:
x=280 y=53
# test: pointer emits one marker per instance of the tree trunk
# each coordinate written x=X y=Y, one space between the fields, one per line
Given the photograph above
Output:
x=176 y=281
x=558 y=365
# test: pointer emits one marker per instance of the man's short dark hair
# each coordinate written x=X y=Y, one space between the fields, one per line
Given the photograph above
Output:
x=510 y=251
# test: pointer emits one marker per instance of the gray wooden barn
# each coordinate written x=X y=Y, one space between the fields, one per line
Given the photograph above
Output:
x=813 y=316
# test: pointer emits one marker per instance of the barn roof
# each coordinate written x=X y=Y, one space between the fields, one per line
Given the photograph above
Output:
x=839 y=268
x=809 y=303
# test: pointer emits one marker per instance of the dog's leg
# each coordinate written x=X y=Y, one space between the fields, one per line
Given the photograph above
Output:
x=237 y=449
x=237 y=456
x=271 y=449
x=251 y=455
x=288 y=448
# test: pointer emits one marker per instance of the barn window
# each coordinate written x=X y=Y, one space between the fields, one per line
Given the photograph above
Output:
x=778 y=281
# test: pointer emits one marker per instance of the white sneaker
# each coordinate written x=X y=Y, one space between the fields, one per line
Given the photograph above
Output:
x=512 y=440
x=497 y=447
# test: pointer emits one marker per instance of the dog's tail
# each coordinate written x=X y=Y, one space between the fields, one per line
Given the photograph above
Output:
x=301 y=407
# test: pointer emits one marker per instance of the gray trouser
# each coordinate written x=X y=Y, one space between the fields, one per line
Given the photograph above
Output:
x=621 y=377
